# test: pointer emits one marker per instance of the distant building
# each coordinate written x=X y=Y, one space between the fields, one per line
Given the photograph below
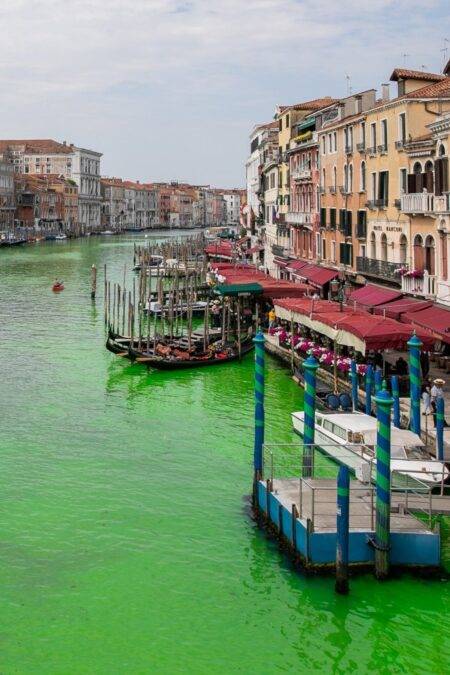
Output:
x=49 y=157
x=7 y=200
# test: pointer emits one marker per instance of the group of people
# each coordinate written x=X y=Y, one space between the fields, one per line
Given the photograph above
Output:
x=431 y=393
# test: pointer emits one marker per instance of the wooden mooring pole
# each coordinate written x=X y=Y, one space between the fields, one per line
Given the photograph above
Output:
x=342 y=530
x=93 y=281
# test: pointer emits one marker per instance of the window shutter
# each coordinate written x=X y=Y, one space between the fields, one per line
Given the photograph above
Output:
x=411 y=183
x=323 y=217
x=419 y=182
x=342 y=253
x=429 y=182
x=386 y=188
x=444 y=174
x=438 y=176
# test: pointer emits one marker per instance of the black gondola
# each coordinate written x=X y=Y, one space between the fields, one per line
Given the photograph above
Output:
x=197 y=361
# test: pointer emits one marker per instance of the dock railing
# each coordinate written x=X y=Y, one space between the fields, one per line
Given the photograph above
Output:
x=314 y=492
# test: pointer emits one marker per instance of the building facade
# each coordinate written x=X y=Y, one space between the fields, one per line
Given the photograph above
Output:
x=7 y=196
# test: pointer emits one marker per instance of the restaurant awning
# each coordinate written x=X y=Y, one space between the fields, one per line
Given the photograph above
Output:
x=371 y=296
x=357 y=329
x=281 y=262
x=239 y=289
x=296 y=265
x=254 y=249
x=316 y=275
x=271 y=288
x=220 y=249
x=396 y=308
x=435 y=319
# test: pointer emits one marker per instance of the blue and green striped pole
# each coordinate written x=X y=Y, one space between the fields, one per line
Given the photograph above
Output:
x=369 y=372
x=342 y=529
x=440 y=416
x=396 y=397
x=383 y=501
x=414 y=346
x=378 y=380
x=354 y=378
x=259 y=407
x=310 y=366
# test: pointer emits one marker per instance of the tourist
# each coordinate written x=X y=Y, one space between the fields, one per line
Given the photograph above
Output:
x=215 y=311
x=426 y=398
x=272 y=317
x=437 y=393
x=401 y=366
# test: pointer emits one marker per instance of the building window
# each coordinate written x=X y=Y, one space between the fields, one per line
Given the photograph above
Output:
x=324 y=149
x=335 y=141
x=363 y=177
x=373 y=187
x=363 y=133
x=383 y=188
x=330 y=146
x=333 y=251
x=403 y=181
x=334 y=177
x=287 y=121
x=373 y=135
x=384 y=134
x=402 y=127
x=350 y=178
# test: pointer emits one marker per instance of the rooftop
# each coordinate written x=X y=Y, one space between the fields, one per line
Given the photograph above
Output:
x=405 y=74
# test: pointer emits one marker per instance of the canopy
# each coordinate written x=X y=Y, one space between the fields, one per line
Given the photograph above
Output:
x=220 y=249
x=352 y=328
x=396 y=308
x=271 y=288
x=316 y=275
x=435 y=319
x=239 y=289
x=370 y=296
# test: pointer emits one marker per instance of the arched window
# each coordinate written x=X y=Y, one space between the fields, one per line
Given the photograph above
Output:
x=373 y=246
x=429 y=176
x=417 y=169
x=430 y=264
x=441 y=151
x=363 y=177
x=383 y=247
x=403 y=249
x=418 y=253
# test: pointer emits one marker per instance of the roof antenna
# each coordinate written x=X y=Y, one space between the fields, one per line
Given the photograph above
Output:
x=405 y=57
x=444 y=51
x=423 y=67
x=349 y=86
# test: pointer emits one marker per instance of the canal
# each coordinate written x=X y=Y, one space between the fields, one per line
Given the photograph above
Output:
x=126 y=540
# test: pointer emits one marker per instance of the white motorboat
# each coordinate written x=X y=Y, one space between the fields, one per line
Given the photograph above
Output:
x=60 y=237
x=198 y=308
x=350 y=439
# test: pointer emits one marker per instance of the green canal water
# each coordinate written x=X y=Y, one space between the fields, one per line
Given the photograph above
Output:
x=126 y=540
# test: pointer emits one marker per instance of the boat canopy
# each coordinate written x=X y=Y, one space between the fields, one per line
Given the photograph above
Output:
x=239 y=289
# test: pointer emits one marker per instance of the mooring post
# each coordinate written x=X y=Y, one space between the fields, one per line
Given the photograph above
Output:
x=396 y=398
x=377 y=380
x=310 y=366
x=342 y=529
x=93 y=281
x=354 y=378
x=369 y=390
x=440 y=416
x=259 y=411
x=383 y=502
x=414 y=346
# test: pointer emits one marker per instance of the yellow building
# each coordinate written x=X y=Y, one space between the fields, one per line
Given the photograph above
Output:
x=388 y=129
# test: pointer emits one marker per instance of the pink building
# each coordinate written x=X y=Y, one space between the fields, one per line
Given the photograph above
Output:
x=304 y=179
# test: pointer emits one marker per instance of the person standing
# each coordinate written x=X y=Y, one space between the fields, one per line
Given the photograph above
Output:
x=436 y=393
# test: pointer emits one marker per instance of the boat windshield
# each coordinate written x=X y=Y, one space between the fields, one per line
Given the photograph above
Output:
x=415 y=452
x=398 y=452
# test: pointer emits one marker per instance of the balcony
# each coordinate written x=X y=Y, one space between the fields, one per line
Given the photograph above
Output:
x=442 y=204
x=321 y=189
x=281 y=251
x=417 y=202
x=424 y=287
x=361 y=230
x=332 y=189
x=378 y=268
x=343 y=189
x=361 y=147
x=371 y=204
x=301 y=218
x=349 y=149
x=381 y=203
x=372 y=151
x=301 y=174
x=382 y=149
x=399 y=145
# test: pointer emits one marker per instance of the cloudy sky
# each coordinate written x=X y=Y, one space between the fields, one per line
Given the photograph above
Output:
x=170 y=89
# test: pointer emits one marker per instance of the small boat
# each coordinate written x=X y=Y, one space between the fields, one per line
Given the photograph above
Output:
x=350 y=439
x=107 y=232
x=178 y=359
x=198 y=308
x=50 y=237
x=154 y=261
x=57 y=287
x=60 y=237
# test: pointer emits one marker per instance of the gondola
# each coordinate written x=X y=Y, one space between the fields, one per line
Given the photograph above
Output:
x=200 y=360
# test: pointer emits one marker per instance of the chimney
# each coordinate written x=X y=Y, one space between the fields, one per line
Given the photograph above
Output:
x=385 y=93
x=358 y=105
x=64 y=142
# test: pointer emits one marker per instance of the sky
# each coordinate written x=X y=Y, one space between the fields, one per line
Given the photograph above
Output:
x=170 y=89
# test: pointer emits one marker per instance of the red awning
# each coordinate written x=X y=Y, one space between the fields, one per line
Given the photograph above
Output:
x=435 y=319
x=254 y=249
x=370 y=296
x=272 y=288
x=316 y=275
x=396 y=308
x=371 y=332
x=221 y=249
x=296 y=265
x=281 y=262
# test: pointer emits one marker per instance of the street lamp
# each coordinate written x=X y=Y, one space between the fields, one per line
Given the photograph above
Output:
x=340 y=291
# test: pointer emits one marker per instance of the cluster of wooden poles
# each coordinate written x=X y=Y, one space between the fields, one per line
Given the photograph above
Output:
x=183 y=251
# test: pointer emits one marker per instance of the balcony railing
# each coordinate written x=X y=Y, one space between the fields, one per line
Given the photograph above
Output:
x=301 y=218
x=381 y=203
x=348 y=149
x=382 y=149
x=378 y=268
x=399 y=144
x=301 y=174
x=281 y=251
x=442 y=204
x=425 y=287
x=361 y=147
x=371 y=204
x=332 y=189
x=417 y=202
x=372 y=150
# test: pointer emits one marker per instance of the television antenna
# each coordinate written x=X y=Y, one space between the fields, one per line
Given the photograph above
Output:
x=444 y=50
x=405 y=57
x=349 y=85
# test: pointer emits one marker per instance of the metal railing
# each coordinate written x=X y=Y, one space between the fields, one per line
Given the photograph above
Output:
x=378 y=268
